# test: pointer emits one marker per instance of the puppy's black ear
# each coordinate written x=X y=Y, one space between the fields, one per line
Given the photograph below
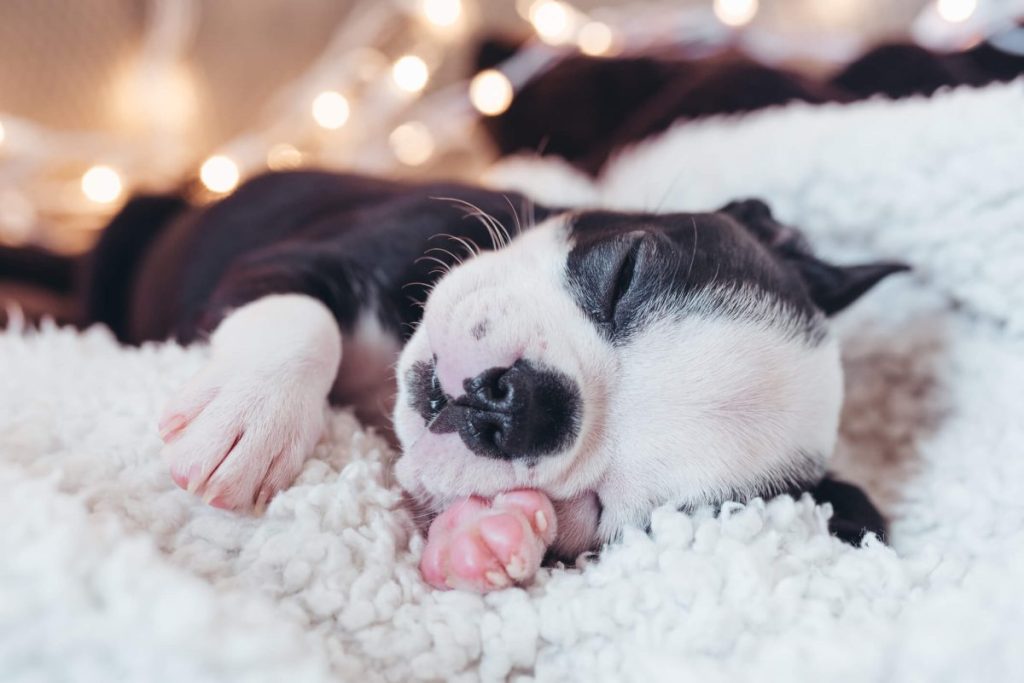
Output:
x=832 y=288
x=853 y=513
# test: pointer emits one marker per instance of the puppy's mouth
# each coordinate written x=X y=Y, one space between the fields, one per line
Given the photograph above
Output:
x=523 y=411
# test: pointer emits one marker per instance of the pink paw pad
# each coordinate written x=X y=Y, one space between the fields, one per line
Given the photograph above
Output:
x=483 y=545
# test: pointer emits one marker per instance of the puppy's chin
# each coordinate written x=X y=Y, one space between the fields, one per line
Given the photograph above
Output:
x=436 y=469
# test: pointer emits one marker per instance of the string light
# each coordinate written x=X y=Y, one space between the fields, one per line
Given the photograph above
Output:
x=283 y=156
x=490 y=91
x=595 y=39
x=367 y=63
x=17 y=218
x=524 y=7
x=552 y=20
x=165 y=99
x=101 y=184
x=330 y=110
x=160 y=97
x=219 y=174
x=735 y=13
x=956 y=11
x=410 y=73
x=412 y=143
x=442 y=13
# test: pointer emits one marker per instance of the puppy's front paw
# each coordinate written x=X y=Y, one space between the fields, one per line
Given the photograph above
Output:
x=482 y=545
x=238 y=434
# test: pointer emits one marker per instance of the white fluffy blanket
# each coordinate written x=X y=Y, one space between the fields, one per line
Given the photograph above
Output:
x=109 y=572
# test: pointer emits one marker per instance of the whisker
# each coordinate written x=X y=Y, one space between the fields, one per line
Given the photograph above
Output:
x=469 y=245
x=515 y=216
x=475 y=212
x=693 y=252
x=493 y=226
x=445 y=267
x=669 y=190
x=442 y=250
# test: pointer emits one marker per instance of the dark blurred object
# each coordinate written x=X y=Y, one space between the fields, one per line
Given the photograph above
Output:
x=853 y=514
x=109 y=273
x=35 y=266
x=583 y=109
x=38 y=282
x=42 y=283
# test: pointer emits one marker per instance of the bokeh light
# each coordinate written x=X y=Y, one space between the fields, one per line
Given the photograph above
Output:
x=442 y=13
x=490 y=91
x=553 y=21
x=102 y=184
x=735 y=12
x=330 y=110
x=956 y=11
x=283 y=156
x=595 y=39
x=412 y=143
x=410 y=73
x=219 y=174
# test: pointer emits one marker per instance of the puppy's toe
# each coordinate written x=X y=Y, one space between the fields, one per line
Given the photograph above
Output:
x=187 y=404
x=198 y=451
x=533 y=505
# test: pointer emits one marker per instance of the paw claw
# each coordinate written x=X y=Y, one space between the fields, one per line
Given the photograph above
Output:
x=193 y=479
x=171 y=427
x=219 y=502
x=180 y=479
x=516 y=568
x=498 y=579
x=541 y=521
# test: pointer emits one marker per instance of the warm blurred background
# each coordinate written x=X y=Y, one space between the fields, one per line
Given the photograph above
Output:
x=102 y=98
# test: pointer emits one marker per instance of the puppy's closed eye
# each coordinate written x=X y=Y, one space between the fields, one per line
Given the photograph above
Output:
x=621 y=277
x=606 y=275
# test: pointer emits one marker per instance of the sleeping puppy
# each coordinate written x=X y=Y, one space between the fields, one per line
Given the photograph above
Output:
x=560 y=373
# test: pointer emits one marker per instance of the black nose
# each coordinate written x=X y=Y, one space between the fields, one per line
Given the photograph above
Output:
x=519 y=412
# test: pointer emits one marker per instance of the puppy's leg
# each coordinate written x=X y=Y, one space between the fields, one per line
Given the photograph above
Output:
x=240 y=430
x=854 y=515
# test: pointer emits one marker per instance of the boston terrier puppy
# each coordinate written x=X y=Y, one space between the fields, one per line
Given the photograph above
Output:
x=560 y=373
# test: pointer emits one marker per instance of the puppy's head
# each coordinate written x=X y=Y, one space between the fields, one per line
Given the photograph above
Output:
x=630 y=359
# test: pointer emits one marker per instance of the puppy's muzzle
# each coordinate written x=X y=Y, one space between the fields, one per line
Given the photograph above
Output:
x=523 y=411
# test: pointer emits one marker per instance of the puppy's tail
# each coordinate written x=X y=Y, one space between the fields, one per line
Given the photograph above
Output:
x=109 y=272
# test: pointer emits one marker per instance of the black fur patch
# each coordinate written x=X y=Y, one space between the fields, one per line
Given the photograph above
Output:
x=353 y=242
x=425 y=394
x=667 y=259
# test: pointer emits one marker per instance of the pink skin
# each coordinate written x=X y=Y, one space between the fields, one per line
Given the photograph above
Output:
x=480 y=545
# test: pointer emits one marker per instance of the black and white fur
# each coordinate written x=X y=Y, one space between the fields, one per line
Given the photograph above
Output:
x=615 y=361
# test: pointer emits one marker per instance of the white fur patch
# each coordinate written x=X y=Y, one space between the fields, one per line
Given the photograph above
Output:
x=239 y=431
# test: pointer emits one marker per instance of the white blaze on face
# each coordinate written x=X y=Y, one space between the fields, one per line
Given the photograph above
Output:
x=690 y=407
x=490 y=312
